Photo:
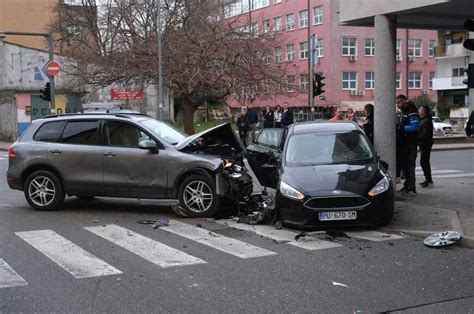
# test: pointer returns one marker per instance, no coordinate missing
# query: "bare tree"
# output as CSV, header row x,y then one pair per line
x,y
206,56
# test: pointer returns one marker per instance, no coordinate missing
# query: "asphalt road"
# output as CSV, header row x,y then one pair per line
x,y
43,267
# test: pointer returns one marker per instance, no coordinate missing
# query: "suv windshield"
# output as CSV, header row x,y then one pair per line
x,y
327,148
436,119
164,131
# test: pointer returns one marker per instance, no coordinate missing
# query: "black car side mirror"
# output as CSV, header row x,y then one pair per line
x,y
150,145
384,164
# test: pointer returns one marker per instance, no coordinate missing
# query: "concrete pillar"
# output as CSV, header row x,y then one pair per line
x,y
385,89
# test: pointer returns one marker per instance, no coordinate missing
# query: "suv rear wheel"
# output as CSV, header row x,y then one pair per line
x,y
43,190
197,196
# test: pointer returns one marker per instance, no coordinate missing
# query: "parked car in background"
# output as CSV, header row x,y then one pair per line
x,y
440,127
325,175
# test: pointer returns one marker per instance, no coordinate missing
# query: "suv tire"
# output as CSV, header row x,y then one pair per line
x,y
43,190
197,196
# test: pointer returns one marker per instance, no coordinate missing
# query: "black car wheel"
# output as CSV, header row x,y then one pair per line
x,y
43,190
197,196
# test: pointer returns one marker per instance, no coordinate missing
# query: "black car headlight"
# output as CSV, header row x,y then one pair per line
x,y
290,192
382,186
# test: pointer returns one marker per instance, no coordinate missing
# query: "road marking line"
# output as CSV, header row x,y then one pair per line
x,y
461,175
440,171
71,257
307,242
419,168
9,277
375,236
151,250
216,241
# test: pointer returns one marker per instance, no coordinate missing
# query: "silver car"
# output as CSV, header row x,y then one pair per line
x,y
130,156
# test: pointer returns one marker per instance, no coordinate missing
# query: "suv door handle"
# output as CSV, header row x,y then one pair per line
x,y
56,151
109,154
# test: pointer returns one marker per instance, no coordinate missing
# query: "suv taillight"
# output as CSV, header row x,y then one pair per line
x,y
11,153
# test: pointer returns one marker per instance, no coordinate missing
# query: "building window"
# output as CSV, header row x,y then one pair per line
x,y
290,52
349,46
276,1
415,48
369,80
278,55
369,47
319,48
74,31
266,57
349,80
432,47
414,80
290,83
399,81
303,18
304,81
432,75
318,15
277,24
254,29
399,50
304,50
457,72
265,26
290,22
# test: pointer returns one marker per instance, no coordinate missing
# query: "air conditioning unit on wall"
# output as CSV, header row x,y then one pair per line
x,y
353,92
352,58
361,93
411,59
398,58
426,92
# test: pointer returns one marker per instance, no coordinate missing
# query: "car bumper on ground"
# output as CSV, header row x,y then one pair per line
x,y
294,214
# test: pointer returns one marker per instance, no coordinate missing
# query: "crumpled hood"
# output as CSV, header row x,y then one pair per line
x,y
217,141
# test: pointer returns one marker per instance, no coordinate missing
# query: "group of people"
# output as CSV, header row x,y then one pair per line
x,y
350,115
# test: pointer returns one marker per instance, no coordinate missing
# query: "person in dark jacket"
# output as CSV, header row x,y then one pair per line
x,y
470,125
243,125
408,129
252,118
286,116
425,143
268,117
369,122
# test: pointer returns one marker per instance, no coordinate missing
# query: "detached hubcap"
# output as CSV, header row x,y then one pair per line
x,y
41,191
198,196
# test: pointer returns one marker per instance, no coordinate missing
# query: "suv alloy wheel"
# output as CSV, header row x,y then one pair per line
x,y
43,190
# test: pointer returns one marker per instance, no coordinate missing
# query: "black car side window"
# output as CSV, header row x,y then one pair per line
x,y
124,134
82,132
48,132
270,138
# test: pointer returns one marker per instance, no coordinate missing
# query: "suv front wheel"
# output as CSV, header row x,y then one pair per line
x,y
197,196
43,190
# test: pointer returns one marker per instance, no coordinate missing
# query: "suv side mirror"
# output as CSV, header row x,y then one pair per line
x,y
384,164
150,145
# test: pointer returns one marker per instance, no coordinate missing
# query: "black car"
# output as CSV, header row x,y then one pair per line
x,y
325,175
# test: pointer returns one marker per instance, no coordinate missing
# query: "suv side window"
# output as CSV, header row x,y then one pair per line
x,y
48,132
82,132
270,138
124,135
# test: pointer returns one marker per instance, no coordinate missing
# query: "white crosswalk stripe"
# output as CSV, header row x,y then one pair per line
x,y
151,250
375,236
9,277
286,236
216,241
443,173
71,257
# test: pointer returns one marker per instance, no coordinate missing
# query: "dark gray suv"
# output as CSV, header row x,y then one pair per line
x,y
127,155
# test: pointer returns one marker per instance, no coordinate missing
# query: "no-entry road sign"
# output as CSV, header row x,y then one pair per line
x,y
53,68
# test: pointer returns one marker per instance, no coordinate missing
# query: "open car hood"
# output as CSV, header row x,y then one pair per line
x,y
216,141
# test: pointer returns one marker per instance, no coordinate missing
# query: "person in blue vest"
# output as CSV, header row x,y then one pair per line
x,y
286,116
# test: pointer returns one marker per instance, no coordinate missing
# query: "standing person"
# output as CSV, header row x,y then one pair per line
x,y
243,125
369,122
338,116
268,117
252,118
470,125
408,128
277,116
425,142
350,115
286,116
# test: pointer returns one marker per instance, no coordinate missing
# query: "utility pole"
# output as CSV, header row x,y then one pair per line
x,y
160,61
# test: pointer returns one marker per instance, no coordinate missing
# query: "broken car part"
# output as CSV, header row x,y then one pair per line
x,y
444,238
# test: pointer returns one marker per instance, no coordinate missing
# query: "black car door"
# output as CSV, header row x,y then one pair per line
x,y
264,156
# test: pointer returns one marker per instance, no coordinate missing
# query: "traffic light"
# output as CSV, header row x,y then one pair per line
x,y
469,43
318,84
46,93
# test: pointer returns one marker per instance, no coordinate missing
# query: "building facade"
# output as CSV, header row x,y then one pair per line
x,y
345,55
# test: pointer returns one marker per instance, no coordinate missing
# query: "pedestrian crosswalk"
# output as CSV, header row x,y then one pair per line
x,y
74,259
3,156
437,173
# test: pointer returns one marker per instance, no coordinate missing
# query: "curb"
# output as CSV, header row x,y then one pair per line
x,y
466,241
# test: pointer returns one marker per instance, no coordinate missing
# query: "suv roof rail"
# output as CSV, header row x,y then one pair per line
x,y
121,115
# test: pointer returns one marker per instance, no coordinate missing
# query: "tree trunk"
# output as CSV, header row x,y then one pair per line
x,y
188,110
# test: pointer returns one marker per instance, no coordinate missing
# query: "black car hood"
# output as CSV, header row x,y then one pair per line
x,y
324,179
217,141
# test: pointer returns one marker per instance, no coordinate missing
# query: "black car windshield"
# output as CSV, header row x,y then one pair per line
x,y
164,131
327,148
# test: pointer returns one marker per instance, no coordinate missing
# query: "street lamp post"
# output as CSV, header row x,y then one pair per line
x,y
160,61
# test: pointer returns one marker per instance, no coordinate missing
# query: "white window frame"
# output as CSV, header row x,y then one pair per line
x,y
318,15
351,81
458,72
304,81
290,83
398,54
370,79
276,1
432,76
319,49
277,24
415,48
369,47
398,81
266,58
290,53
303,21
349,46
265,26
304,50
290,22
431,47
278,54
415,80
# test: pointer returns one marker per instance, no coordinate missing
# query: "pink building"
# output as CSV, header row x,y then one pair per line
x,y
346,55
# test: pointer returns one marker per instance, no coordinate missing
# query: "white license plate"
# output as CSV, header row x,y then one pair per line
x,y
342,215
